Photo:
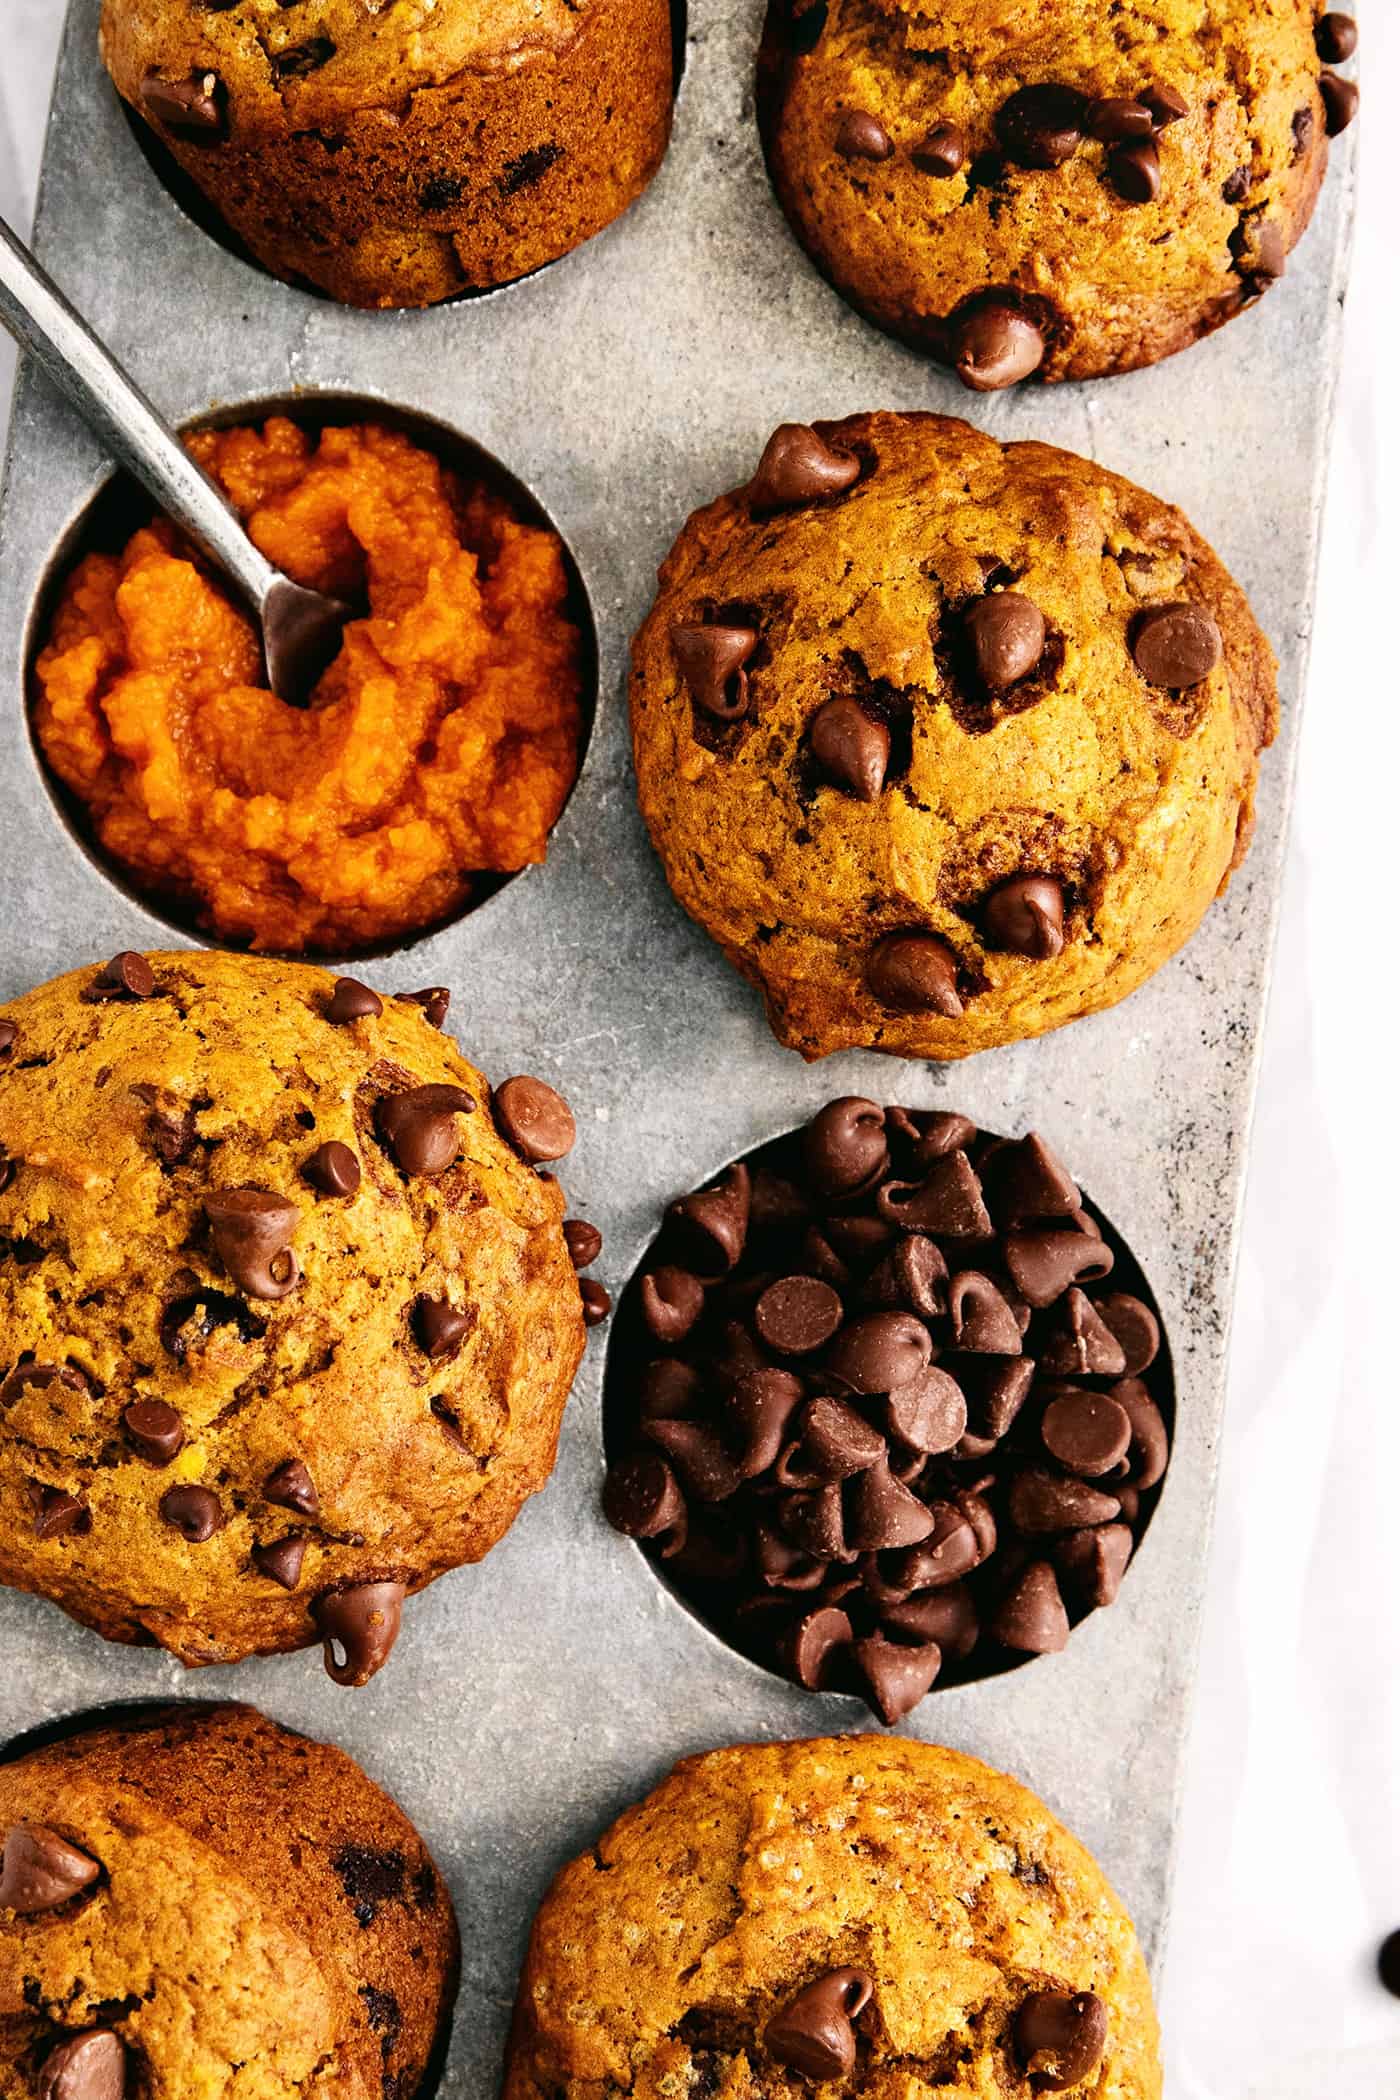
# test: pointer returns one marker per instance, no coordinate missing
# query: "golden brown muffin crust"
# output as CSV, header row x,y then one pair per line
x,y
395,156
658,1959
118,1119
1113,284
267,1924
1136,798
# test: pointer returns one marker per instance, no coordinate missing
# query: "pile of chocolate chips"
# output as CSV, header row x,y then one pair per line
x,y
875,1411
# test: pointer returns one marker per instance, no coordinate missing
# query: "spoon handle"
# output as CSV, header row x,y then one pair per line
x,y
42,321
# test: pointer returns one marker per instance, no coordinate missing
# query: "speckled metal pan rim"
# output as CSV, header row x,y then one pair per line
x,y
192,204
118,507
1127,1275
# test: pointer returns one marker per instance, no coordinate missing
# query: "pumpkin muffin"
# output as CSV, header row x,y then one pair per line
x,y
864,1917
393,156
287,1315
196,1901
1055,191
946,742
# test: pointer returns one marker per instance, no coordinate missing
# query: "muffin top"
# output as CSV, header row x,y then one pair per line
x,y
288,1323
326,59
1132,177
863,1916
906,666
196,1901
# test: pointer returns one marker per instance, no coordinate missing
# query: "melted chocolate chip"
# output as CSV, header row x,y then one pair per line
x,y
359,1625
1026,916
995,345
711,659
860,136
851,747
332,1169
799,467
440,1328
352,1001
1060,2037
282,1560
252,1232
195,1512
1176,645
942,153
197,105
41,1871
290,1486
914,973
419,1130
89,2066
155,1430
126,976
1041,126
814,2034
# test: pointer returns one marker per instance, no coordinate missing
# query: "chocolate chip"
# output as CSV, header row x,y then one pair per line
x,y
814,2033
41,1871
672,1300
252,1232
880,1353
711,661
304,59
440,1328
715,1221
59,1515
1388,1963
1340,101
641,1498
1060,2036
1335,37
1236,186
362,1620
195,1512
983,1322
911,1276
1093,1562
1134,1327
584,1242
850,746
1083,1345
844,1148
1176,646
699,1457
837,1442
948,1201
596,1301
1135,170
332,1169
290,1486
352,1001
419,1129
197,104
1149,1449
1026,916
914,973
155,1429
898,1676
1041,1503
1167,106
36,1376
1041,126
1025,1179
797,1314
1043,1264
435,999
995,345
1114,118
929,1414
798,466
89,2066
756,1413
282,1561
1031,1616
860,136
1088,1433
815,1643
534,1120
885,1514
815,1522
126,976
942,153
9,1036
1006,633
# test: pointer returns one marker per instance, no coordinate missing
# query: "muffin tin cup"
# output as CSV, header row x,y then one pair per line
x,y
530,1698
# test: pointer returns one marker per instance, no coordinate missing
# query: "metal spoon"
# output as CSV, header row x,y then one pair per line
x,y
301,629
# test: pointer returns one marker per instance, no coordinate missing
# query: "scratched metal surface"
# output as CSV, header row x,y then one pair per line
x,y
530,1698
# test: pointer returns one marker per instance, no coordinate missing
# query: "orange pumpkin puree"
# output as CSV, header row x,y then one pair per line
x,y
441,744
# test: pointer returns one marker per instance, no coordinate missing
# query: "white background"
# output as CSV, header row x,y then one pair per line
x,y
1289,1868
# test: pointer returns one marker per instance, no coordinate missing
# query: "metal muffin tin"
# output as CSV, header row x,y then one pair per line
x,y
530,1698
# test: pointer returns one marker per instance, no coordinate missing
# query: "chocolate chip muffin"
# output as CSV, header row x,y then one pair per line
x,y
945,742
1058,190
887,1404
287,1314
861,1916
195,1901
392,156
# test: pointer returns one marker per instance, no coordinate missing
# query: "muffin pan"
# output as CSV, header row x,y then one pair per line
x,y
530,1698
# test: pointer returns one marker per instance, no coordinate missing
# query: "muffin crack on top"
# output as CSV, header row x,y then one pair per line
x,y
288,1309
1051,192
903,673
